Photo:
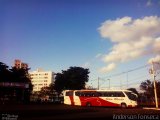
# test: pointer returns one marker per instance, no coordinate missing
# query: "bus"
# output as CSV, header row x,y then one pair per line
x,y
110,98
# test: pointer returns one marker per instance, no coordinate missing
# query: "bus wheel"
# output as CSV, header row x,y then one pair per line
x,y
88,104
123,105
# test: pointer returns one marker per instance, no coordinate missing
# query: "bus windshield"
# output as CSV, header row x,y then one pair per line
x,y
131,96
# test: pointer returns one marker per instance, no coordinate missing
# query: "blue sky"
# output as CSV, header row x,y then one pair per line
x,y
57,34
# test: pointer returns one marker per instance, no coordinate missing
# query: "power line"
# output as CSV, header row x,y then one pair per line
x,y
118,74
121,73
137,78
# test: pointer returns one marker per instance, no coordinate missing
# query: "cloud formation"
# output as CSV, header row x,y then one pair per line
x,y
156,62
155,59
108,68
131,38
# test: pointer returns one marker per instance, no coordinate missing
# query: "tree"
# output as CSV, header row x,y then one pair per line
x,y
148,88
60,83
21,75
5,74
46,93
52,92
73,78
17,77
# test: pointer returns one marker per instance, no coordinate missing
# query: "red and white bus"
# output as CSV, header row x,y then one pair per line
x,y
112,98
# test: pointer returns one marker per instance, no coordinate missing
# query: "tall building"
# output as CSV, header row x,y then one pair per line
x,y
41,79
19,64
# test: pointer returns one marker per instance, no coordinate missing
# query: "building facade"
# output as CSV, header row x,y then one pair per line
x,y
41,78
19,64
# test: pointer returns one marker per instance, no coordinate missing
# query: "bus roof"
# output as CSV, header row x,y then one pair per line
x,y
100,90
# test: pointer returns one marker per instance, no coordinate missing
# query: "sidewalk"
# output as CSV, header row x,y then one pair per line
x,y
147,108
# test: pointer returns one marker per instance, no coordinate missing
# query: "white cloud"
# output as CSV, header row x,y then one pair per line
x,y
125,51
127,29
155,59
131,38
108,68
156,45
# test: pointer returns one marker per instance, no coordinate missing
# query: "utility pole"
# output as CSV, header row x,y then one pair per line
x,y
155,90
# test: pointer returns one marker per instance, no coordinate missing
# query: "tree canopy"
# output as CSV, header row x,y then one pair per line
x,y
18,76
73,78
148,88
5,74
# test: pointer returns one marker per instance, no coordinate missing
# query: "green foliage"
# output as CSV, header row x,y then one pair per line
x,y
45,94
73,78
47,91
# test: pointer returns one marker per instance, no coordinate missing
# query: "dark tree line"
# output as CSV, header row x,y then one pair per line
x,y
147,96
148,88
11,92
74,78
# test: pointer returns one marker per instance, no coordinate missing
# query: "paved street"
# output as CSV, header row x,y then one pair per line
x,y
65,112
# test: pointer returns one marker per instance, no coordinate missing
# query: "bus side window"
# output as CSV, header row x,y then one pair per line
x,y
120,94
112,94
93,94
82,94
89,94
99,94
104,94
85,94
115,94
69,93
109,94
77,93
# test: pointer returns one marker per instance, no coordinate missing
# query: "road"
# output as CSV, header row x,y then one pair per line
x,y
66,112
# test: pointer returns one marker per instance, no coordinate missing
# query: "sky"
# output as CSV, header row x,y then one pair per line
x,y
113,38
